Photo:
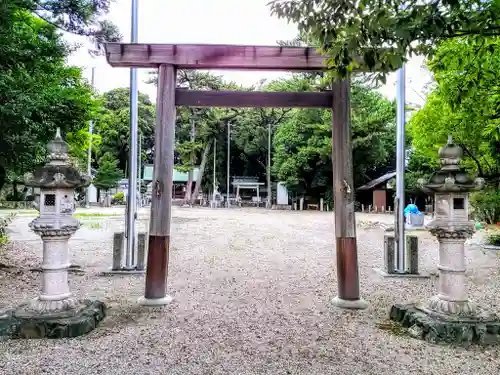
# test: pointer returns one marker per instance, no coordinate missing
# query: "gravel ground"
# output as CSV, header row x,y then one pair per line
x,y
251,291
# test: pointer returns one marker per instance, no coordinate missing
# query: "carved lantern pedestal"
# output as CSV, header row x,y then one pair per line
x,y
55,312
450,316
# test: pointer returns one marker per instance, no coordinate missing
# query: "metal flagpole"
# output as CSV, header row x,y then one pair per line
x,y
213,183
132,182
139,170
269,195
89,162
228,161
400,171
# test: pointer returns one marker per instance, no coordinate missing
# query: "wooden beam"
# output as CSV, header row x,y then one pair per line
x,y
208,56
343,180
161,201
235,99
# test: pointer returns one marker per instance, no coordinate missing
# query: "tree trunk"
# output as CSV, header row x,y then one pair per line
x,y
3,176
189,185
201,171
15,193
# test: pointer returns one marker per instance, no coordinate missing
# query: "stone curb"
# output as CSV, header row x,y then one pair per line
x,y
460,332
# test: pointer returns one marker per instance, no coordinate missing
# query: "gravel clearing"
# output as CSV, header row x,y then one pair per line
x,y
251,295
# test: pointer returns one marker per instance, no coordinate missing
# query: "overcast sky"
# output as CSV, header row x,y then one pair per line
x,y
211,21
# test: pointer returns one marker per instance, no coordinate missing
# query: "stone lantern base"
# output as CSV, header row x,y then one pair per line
x,y
436,329
26,323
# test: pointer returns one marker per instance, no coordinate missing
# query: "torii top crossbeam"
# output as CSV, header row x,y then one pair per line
x,y
215,56
218,56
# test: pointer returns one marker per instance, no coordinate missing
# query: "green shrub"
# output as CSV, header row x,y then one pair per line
x,y
4,223
486,206
118,198
329,197
493,239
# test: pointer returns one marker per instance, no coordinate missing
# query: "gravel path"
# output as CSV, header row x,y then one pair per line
x,y
251,291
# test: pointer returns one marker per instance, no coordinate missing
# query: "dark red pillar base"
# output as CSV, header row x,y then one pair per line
x,y
157,268
347,268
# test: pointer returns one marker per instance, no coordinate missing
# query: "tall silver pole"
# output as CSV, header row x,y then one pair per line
x,y
268,165
400,170
132,182
89,161
139,170
228,161
214,181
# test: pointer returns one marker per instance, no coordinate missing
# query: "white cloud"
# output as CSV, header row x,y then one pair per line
x,y
215,21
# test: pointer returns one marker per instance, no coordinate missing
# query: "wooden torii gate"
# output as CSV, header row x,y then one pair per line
x,y
167,58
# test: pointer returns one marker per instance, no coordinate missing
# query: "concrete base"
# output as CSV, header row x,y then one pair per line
x,y
156,302
122,272
411,228
452,330
24,324
359,304
491,247
284,207
408,228
74,268
421,275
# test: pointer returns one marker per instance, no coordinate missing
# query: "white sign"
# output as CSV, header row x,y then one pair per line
x,y
281,194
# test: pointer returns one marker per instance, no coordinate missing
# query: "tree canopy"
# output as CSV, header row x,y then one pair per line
x,y
113,126
303,143
301,139
465,103
379,35
108,173
38,92
80,17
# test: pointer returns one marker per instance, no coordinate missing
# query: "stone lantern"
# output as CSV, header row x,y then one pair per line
x,y
450,315
55,312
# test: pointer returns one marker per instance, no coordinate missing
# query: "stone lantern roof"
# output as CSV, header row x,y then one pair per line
x,y
57,172
451,177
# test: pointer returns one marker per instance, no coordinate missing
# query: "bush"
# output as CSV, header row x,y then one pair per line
x,y
486,206
329,197
4,223
118,198
494,240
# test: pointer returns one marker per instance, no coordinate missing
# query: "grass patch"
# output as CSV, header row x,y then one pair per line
x,y
392,327
19,211
3,240
95,214
93,225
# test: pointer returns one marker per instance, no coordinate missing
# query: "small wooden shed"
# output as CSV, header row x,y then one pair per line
x,y
378,193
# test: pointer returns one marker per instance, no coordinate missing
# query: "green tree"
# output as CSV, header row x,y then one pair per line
x,y
108,173
197,128
193,125
113,126
303,143
80,17
38,92
464,103
380,35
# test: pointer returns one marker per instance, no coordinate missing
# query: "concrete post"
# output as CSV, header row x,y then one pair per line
x,y
389,254
412,254
141,251
118,241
